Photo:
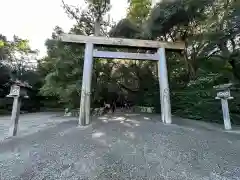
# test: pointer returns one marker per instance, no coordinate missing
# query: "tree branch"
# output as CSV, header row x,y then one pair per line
x,y
127,88
233,44
69,11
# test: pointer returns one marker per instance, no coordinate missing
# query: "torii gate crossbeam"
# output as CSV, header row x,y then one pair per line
x,y
90,53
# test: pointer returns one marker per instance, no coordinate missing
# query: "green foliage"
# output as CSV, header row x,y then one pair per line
x,y
63,69
14,64
211,32
138,11
4,47
2,43
125,28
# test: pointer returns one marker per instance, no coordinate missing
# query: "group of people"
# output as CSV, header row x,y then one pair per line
x,y
112,100
113,105
109,107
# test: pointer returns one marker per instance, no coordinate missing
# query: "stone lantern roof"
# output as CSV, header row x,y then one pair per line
x,y
21,84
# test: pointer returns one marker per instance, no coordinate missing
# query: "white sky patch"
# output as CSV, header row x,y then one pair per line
x,y
35,19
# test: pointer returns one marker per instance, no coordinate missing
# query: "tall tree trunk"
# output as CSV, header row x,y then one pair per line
x,y
235,69
189,67
97,27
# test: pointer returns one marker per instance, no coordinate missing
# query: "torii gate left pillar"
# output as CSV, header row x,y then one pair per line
x,y
90,53
84,115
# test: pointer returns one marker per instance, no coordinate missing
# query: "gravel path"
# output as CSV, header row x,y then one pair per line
x,y
121,147
30,123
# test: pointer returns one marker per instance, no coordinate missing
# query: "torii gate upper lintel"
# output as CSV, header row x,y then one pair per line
x,y
90,53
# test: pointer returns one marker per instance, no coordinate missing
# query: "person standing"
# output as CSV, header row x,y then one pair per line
x,y
113,106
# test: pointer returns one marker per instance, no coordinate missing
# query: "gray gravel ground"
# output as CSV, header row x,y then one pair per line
x,y
31,123
122,147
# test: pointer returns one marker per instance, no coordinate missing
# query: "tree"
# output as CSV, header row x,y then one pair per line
x,y
62,69
208,60
138,11
15,64
91,20
137,14
224,33
68,58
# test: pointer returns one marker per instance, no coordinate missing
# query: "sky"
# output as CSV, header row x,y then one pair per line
x,y
35,19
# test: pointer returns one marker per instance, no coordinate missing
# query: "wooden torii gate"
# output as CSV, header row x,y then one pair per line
x,y
90,53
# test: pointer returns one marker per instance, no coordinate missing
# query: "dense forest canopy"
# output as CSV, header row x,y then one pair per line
x,y
210,29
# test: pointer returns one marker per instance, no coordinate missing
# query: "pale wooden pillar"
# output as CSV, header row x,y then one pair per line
x,y
226,116
164,87
224,94
15,116
81,120
84,116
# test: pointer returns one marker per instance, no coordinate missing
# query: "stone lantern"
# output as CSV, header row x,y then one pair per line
x,y
223,93
18,91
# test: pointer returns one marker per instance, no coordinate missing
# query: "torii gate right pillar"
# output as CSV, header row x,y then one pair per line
x,y
164,87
